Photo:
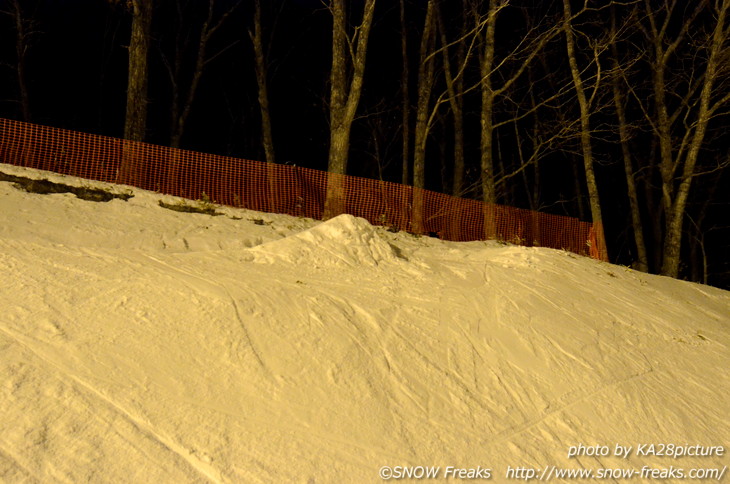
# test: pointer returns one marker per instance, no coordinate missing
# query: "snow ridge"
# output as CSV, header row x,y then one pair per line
x,y
342,241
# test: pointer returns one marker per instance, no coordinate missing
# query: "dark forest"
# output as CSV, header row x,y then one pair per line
x,y
608,111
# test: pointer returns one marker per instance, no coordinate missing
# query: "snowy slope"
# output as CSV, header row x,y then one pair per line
x,y
140,344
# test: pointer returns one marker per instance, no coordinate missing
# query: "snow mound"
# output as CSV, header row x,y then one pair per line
x,y
344,240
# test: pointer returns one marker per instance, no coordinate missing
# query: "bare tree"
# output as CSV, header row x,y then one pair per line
x,y
487,112
584,103
427,112
182,103
136,119
262,81
262,71
25,31
619,98
425,86
699,101
717,64
135,125
405,98
495,83
348,51
454,79
422,126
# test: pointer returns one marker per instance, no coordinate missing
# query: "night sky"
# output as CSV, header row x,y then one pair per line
x,y
76,67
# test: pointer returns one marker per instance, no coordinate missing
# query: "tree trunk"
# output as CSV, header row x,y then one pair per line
x,y
654,209
678,159
425,85
455,89
261,80
263,98
22,44
202,58
673,237
489,190
642,262
698,255
406,105
663,130
136,117
585,137
344,97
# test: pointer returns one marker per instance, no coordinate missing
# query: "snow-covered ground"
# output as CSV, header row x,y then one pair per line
x,y
139,344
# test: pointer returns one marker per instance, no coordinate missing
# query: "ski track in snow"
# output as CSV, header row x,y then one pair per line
x,y
138,423
206,281
144,345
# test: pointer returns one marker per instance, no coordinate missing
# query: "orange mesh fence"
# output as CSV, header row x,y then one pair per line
x,y
285,189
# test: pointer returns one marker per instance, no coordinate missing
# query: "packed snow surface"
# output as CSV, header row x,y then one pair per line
x,y
140,344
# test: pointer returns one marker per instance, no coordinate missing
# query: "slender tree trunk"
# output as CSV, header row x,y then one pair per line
x,y
489,192
698,255
654,208
673,237
201,60
135,126
174,69
22,44
486,146
678,160
261,80
136,119
405,92
521,157
344,97
665,138
457,185
425,86
532,187
455,89
642,262
534,43
579,197
585,137
263,98
182,112
663,131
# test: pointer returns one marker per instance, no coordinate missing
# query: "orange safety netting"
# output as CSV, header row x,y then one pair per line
x,y
285,189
